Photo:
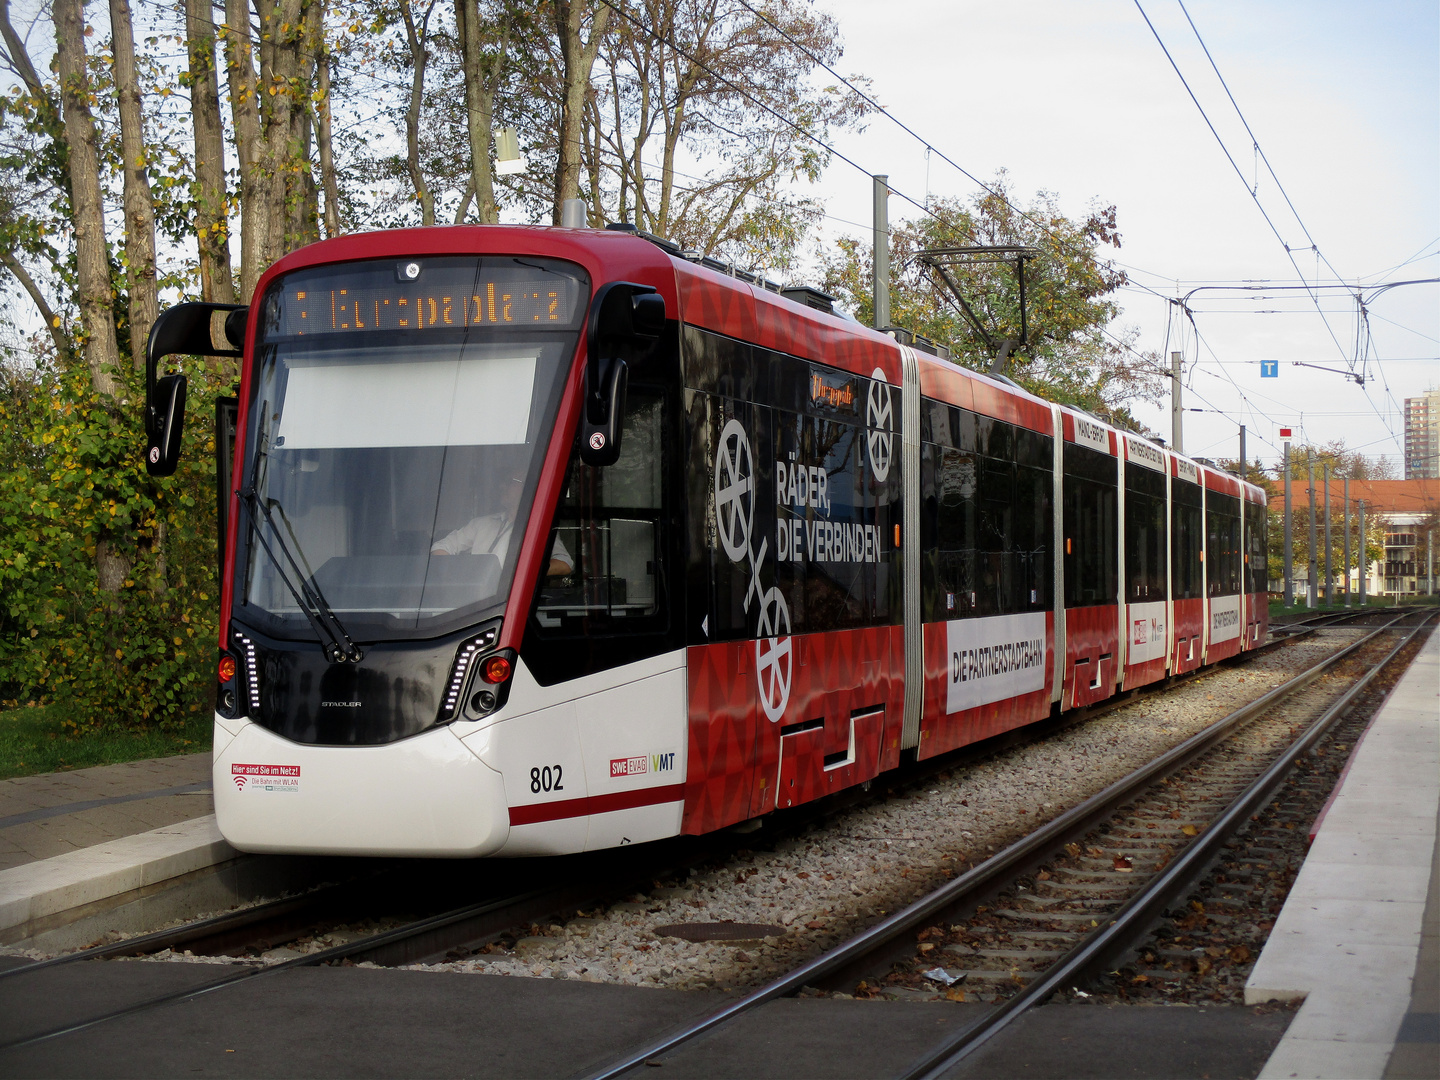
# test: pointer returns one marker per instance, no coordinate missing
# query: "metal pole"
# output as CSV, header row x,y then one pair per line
x,y
1242,451
1329,574
1024,330
1176,408
1312,570
1346,564
1364,568
880,281
1430,562
1289,576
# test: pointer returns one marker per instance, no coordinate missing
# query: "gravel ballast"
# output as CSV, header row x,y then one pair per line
x,y
872,859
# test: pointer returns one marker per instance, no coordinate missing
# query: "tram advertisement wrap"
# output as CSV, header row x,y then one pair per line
x,y
1224,618
802,520
1147,632
993,659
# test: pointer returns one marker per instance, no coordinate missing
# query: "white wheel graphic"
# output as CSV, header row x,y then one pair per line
x,y
879,420
774,655
734,491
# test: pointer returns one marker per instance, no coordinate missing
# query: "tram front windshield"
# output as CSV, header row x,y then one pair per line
x,y
400,413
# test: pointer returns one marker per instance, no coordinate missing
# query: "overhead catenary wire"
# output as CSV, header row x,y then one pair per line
x,y
921,204
1253,192
930,148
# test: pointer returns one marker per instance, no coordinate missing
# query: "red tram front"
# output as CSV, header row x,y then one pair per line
x,y
546,540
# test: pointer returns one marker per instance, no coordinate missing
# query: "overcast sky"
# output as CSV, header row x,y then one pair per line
x,y
1077,97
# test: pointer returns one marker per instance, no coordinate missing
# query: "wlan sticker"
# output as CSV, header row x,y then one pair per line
x,y
265,777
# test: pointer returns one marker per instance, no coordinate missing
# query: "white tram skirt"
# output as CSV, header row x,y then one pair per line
x,y
427,796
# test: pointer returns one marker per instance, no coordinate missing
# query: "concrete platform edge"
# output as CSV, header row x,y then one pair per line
x,y
1351,958
46,887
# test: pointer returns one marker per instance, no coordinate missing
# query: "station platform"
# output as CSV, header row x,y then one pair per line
x,y
1356,941
75,845
55,813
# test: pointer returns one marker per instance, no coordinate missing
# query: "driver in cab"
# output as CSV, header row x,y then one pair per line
x,y
489,534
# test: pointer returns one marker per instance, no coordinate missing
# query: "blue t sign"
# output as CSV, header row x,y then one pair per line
x,y
1269,369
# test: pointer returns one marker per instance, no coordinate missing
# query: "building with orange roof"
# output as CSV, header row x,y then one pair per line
x,y
1410,510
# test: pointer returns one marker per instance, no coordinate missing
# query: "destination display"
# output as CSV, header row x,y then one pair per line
x,y
363,298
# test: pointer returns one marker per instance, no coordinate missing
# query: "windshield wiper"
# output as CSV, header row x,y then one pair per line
x,y
308,596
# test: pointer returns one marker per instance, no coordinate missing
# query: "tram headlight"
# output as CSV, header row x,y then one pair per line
x,y
490,685
495,669
227,692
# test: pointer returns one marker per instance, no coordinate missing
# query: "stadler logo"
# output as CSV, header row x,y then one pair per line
x,y
340,704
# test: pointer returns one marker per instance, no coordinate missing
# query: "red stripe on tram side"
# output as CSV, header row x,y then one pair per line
x,y
595,804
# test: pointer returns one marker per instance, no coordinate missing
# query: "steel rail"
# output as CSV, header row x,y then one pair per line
x,y
159,940
1104,945
325,956
171,937
1075,821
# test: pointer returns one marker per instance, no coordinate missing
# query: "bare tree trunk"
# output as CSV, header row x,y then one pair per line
x,y
92,264
419,57
16,54
281,44
465,201
577,58
19,61
302,198
323,136
139,209
244,112
212,228
482,76
52,320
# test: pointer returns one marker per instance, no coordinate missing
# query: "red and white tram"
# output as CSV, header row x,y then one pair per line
x,y
542,540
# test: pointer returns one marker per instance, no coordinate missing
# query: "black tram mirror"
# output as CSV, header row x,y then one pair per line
x,y
625,323
190,330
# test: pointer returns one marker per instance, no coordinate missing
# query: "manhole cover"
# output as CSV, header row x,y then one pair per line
x,y
720,931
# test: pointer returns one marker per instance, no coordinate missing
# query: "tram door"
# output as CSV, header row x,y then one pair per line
x,y
606,619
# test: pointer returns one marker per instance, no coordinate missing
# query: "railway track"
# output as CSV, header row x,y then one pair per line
x,y
1107,874
544,889
536,889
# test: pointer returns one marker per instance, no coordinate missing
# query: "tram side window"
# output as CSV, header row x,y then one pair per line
x,y
956,486
994,537
1186,540
1091,527
785,503
608,520
1034,524
1222,523
987,522
612,606
1144,534
1257,569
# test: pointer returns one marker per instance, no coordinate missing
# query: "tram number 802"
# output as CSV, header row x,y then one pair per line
x,y
546,779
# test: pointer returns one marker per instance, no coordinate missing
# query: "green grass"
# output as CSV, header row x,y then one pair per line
x,y
31,742
1378,603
